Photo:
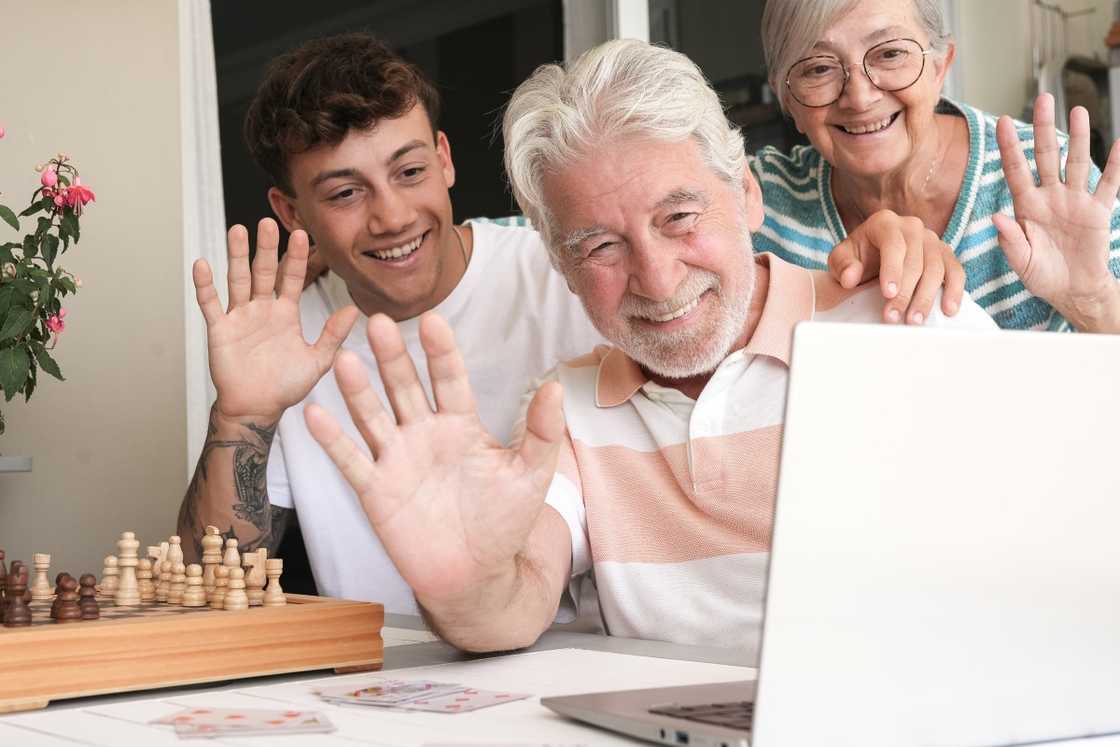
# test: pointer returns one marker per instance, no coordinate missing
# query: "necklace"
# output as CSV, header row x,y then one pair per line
x,y
462,247
938,155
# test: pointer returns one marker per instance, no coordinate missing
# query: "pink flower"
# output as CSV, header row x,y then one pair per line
x,y
49,178
77,196
2,132
55,322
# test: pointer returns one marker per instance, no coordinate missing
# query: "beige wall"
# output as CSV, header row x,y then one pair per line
x,y
100,82
994,48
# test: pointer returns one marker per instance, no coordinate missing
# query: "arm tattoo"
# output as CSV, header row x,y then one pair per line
x,y
250,463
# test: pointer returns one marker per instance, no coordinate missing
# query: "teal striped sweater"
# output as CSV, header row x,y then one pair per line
x,y
802,223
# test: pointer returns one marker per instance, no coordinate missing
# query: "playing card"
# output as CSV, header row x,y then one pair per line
x,y
211,722
387,692
468,699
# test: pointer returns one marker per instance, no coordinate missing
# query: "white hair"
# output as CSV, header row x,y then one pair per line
x,y
619,89
790,28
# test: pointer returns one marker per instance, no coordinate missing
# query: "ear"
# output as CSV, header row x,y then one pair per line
x,y
942,64
285,208
443,152
753,194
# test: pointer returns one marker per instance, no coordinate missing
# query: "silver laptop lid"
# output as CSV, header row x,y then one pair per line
x,y
946,561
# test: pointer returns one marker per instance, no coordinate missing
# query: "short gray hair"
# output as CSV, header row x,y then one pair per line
x,y
621,88
790,28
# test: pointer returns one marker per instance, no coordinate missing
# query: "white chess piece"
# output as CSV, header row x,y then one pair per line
x,y
178,583
273,594
41,586
144,581
127,593
211,558
194,595
221,580
255,578
109,577
236,599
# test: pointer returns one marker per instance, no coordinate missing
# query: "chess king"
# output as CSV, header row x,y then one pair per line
x,y
349,135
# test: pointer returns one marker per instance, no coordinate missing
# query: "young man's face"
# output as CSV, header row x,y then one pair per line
x,y
377,207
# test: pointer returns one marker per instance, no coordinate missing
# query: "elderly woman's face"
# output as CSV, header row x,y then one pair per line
x,y
868,131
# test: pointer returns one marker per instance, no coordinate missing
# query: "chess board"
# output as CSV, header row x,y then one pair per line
x,y
161,645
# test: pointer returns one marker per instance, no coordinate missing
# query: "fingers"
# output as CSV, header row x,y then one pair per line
x,y
1020,180
1046,149
1077,162
955,277
544,428
239,278
334,333
912,257
933,274
1013,242
358,469
451,385
266,259
374,423
294,267
845,265
1109,184
398,374
205,292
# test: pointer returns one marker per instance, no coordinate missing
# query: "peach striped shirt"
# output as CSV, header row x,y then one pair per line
x,y
670,500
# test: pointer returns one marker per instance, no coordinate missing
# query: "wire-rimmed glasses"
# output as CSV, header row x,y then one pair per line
x,y
891,66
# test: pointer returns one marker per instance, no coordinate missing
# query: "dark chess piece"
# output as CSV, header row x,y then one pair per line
x,y
57,591
68,609
91,610
3,584
18,614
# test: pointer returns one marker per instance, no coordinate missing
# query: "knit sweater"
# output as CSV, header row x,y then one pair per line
x,y
802,224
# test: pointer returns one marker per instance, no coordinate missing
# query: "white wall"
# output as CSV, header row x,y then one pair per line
x,y
100,82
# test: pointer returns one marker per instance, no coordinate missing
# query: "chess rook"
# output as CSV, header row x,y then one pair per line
x,y
41,586
127,593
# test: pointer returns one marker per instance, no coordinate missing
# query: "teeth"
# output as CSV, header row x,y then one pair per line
x,y
400,251
863,130
675,314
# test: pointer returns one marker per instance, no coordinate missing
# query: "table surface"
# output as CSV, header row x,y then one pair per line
x,y
561,662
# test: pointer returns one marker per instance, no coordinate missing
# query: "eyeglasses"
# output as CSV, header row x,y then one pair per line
x,y
890,66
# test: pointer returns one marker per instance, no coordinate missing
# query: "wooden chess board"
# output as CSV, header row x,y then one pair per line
x,y
160,645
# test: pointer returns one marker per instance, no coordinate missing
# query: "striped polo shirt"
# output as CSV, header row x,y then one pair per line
x,y
802,223
670,500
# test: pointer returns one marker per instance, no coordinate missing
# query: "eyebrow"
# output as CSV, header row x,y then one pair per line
x,y
349,173
673,199
890,32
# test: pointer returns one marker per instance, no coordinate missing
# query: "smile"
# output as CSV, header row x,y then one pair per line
x,y
871,127
675,314
399,252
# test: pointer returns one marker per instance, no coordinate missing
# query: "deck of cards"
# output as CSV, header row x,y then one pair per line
x,y
417,695
245,722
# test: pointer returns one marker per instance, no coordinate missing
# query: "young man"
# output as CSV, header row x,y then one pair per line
x,y
652,463
348,131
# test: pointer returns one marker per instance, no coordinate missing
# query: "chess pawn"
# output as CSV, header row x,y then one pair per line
x,y
232,558
178,583
110,575
3,584
211,558
273,594
41,586
128,589
174,550
17,614
221,580
68,609
87,597
194,595
57,593
144,581
163,584
236,599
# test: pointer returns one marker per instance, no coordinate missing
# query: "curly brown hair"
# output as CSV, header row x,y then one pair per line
x,y
318,92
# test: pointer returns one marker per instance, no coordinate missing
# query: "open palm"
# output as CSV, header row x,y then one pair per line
x,y
259,360
1058,242
451,506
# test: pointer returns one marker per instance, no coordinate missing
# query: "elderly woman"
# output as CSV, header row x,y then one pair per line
x,y
862,80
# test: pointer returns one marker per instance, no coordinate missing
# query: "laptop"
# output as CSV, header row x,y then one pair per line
x,y
945,567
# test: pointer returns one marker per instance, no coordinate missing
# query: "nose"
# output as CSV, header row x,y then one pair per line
x,y
859,93
391,213
655,271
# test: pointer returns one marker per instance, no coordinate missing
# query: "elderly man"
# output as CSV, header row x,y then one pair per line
x,y
651,463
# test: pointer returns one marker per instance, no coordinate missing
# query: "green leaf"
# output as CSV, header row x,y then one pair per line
x,y
32,381
7,293
68,284
36,206
9,217
70,222
30,246
44,226
16,323
50,248
14,365
46,362
65,181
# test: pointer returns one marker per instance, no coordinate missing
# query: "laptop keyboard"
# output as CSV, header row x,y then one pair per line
x,y
734,715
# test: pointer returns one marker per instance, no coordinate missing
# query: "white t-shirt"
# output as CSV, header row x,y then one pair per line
x,y
514,319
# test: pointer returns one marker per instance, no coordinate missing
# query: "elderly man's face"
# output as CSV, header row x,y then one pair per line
x,y
657,246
